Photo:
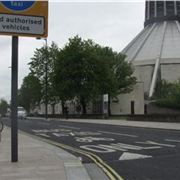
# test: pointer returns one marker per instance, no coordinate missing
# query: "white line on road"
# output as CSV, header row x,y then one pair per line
x,y
156,143
132,156
72,134
71,127
119,134
153,147
172,140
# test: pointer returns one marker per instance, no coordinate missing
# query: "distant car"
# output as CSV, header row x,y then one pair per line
x,y
21,113
8,113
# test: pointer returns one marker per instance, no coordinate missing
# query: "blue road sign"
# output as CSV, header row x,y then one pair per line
x,y
18,5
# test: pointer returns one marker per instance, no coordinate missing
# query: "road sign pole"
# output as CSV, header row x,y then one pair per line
x,y
46,82
14,89
33,17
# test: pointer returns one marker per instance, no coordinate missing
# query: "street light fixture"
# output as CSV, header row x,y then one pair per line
x,y
46,77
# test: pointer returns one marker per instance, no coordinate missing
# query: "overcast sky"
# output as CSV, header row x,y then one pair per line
x,y
112,24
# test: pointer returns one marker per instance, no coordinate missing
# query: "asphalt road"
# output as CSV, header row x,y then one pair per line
x,y
134,153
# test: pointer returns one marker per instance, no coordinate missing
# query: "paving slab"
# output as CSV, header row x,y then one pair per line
x,y
38,161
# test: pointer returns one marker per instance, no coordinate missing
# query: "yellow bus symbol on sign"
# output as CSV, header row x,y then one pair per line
x,y
24,18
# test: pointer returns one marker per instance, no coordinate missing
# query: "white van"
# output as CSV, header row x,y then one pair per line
x,y
21,112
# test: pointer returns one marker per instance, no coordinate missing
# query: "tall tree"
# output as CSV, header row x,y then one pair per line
x,y
86,70
41,63
29,94
3,107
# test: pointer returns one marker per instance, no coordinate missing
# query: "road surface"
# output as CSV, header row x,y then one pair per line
x,y
122,152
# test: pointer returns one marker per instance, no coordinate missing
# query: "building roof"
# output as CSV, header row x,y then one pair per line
x,y
159,40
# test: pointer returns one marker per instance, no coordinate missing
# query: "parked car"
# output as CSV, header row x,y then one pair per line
x,y
8,113
21,113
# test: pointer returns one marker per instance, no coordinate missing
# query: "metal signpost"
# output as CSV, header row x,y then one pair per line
x,y
21,18
105,105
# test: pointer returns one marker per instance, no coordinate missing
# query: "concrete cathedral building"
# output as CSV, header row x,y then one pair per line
x,y
155,51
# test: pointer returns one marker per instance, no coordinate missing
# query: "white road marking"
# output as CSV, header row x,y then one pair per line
x,y
92,139
114,147
107,148
40,130
172,140
119,134
132,156
156,143
71,127
98,149
86,133
152,147
127,146
46,130
60,134
72,134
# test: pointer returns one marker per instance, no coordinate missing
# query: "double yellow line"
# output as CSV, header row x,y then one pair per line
x,y
111,173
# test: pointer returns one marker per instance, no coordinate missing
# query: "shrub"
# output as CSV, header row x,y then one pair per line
x,y
168,95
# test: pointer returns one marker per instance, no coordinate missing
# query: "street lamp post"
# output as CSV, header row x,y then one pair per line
x,y
46,82
46,77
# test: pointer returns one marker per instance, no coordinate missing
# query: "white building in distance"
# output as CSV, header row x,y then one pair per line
x,y
155,51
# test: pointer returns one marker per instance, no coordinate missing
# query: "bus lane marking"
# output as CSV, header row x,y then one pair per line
x,y
92,139
172,140
110,172
65,132
132,156
50,130
156,143
60,134
98,148
113,147
119,134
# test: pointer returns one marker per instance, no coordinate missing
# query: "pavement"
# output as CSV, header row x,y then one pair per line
x,y
124,122
38,161
41,161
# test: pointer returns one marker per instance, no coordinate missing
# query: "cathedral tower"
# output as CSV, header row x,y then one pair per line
x,y
155,51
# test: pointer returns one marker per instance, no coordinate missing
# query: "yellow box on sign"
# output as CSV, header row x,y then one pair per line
x,y
24,18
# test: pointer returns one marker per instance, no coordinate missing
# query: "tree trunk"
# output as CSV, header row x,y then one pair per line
x,y
28,109
84,108
63,106
53,108
83,104
109,105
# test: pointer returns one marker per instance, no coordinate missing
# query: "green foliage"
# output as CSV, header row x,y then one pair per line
x,y
43,62
82,70
164,89
86,70
29,94
168,94
3,107
168,103
123,74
